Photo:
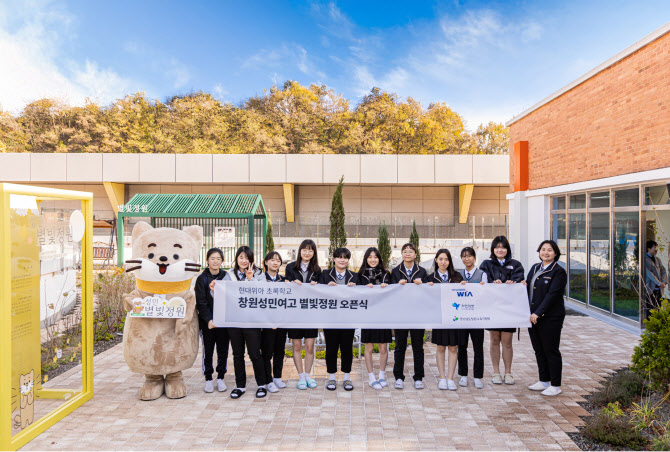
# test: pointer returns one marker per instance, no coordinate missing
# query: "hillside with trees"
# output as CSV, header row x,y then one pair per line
x,y
292,119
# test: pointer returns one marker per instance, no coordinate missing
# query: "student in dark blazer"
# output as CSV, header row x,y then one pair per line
x,y
444,272
546,283
211,335
273,340
471,275
373,273
408,272
500,268
339,339
245,270
305,270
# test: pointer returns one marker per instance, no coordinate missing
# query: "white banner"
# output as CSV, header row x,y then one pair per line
x,y
264,304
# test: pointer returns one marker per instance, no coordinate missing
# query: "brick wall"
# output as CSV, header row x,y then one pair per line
x,y
614,123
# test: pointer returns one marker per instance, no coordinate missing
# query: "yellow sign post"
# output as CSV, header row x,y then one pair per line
x,y
46,238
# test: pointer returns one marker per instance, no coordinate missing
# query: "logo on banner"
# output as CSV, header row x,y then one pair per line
x,y
464,307
455,318
462,292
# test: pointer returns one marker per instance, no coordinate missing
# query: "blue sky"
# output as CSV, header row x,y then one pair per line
x,y
488,60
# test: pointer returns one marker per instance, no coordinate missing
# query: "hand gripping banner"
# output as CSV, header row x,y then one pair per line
x,y
272,305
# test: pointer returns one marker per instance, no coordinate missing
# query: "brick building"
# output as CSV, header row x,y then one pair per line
x,y
590,169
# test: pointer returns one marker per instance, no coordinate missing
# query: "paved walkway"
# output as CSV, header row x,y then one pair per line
x,y
494,418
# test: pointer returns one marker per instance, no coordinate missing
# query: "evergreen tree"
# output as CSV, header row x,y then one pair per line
x,y
338,237
269,241
414,239
384,244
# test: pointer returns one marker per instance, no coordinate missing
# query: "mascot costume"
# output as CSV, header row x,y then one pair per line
x,y
164,262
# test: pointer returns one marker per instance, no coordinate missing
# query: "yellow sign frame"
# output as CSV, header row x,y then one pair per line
x,y
7,442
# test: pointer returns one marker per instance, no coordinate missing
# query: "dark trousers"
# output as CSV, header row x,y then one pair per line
x,y
251,337
267,350
278,352
342,340
545,336
399,353
210,338
477,337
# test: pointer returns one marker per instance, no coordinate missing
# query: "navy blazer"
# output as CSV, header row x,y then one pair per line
x,y
399,273
548,291
331,276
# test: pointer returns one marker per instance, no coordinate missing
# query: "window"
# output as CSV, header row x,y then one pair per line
x,y
626,276
577,244
578,201
658,195
599,267
599,199
627,198
558,203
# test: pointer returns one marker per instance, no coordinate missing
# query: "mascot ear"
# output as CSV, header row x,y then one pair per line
x,y
195,232
140,228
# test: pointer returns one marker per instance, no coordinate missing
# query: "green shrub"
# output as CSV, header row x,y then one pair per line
x,y
651,357
661,442
109,315
623,388
618,432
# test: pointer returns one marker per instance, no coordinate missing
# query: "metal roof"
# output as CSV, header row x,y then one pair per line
x,y
146,204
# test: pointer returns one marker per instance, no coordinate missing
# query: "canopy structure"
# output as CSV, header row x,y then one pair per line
x,y
228,220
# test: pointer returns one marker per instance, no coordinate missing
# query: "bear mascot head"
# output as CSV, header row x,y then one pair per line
x,y
164,262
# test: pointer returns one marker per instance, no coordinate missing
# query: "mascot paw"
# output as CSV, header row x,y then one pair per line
x,y
175,388
152,388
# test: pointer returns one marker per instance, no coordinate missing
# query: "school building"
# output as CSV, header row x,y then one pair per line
x,y
590,167
454,199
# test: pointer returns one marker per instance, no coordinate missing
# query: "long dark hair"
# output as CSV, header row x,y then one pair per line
x,y
314,261
451,271
250,255
501,240
365,266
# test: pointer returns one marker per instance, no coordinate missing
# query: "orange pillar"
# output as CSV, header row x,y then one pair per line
x,y
521,166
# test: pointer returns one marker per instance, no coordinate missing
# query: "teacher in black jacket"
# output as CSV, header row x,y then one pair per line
x,y
546,283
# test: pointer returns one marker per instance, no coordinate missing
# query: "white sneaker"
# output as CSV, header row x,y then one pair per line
x,y
463,381
451,385
552,391
399,384
279,383
209,386
442,384
539,386
375,385
478,383
272,387
418,384
220,385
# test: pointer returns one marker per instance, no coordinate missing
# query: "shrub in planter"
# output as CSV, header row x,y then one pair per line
x,y
623,388
651,358
109,315
617,431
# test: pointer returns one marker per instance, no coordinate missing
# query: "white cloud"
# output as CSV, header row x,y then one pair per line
x,y
33,67
220,92
179,72
282,58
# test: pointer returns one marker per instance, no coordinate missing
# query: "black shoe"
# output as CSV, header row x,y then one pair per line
x,y
261,392
236,393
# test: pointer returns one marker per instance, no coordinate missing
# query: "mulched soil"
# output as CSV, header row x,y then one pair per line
x,y
585,443
98,347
